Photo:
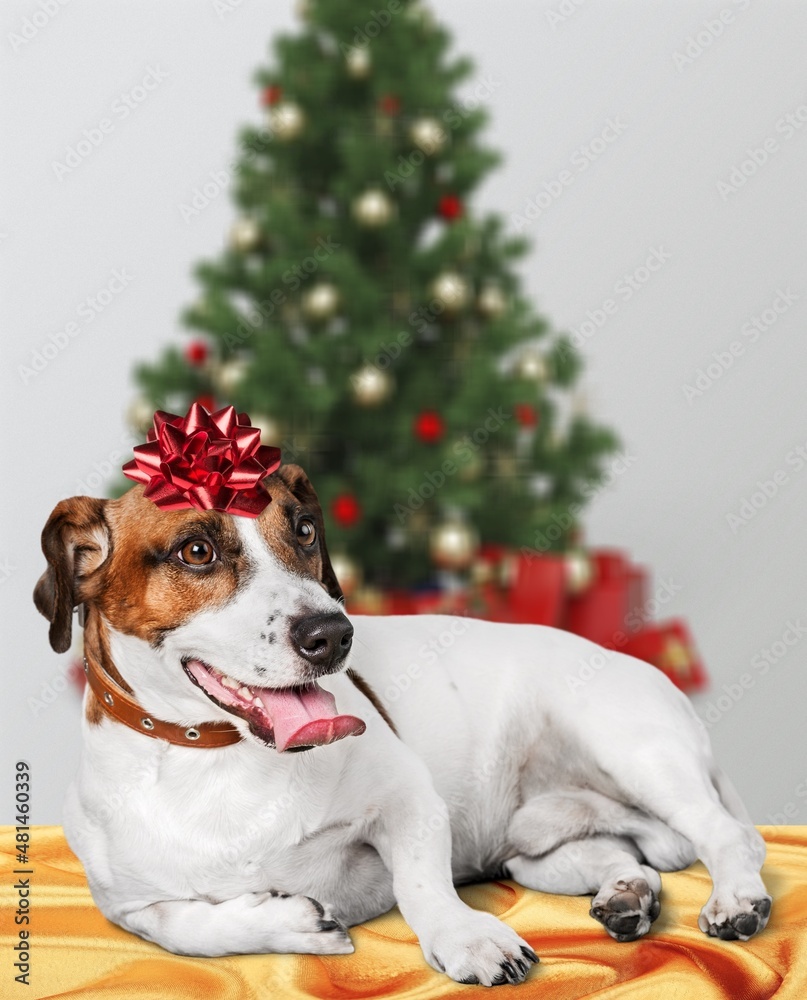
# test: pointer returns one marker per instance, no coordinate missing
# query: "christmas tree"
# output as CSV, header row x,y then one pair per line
x,y
371,323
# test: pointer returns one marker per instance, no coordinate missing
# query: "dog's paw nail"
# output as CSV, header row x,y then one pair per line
x,y
529,953
330,925
510,973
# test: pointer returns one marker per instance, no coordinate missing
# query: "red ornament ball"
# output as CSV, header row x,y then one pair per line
x,y
196,352
208,402
346,510
429,427
389,104
526,415
272,95
450,208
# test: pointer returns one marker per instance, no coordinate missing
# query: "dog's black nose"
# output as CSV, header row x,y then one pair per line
x,y
324,640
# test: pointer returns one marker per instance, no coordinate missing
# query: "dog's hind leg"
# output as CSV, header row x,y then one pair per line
x,y
732,849
626,891
674,782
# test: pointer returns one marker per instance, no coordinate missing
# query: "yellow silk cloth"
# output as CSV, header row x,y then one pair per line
x,y
76,952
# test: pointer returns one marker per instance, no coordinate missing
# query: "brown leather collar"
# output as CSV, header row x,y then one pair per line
x,y
120,706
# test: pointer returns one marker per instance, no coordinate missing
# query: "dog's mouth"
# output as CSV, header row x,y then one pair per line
x,y
293,718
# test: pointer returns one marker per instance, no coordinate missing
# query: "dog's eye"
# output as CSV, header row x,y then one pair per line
x,y
196,552
306,533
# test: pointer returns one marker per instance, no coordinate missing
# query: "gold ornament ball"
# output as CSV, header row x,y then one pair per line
x,y
371,385
531,365
358,63
140,414
428,134
271,431
321,301
579,571
481,572
451,289
229,375
286,120
371,600
469,468
372,208
245,235
491,302
579,404
348,573
453,545
419,13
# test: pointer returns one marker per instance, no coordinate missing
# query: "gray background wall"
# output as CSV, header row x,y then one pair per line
x,y
555,80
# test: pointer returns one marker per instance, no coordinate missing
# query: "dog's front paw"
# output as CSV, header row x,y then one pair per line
x,y
477,948
308,926
738,917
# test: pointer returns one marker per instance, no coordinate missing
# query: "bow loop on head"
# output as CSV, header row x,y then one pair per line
x,y
211,461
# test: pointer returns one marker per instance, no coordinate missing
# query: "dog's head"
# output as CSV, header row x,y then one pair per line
x,y
242,611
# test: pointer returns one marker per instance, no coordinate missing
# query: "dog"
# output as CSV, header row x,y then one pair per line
x,y
356,771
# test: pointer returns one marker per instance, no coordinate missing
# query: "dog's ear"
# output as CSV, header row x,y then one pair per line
x,y
75,541
300,486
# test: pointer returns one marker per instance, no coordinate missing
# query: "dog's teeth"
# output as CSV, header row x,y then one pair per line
x,y
228,682
245,693
256,700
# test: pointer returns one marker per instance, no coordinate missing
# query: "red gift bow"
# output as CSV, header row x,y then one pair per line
x,y
212,461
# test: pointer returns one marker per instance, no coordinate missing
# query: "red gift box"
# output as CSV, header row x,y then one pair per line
x,y
538,589
599,612
669,646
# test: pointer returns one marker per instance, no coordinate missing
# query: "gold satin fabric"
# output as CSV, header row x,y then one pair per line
x,y
76,952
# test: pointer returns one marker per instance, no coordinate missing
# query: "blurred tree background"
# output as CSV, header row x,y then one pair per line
x,y
372,324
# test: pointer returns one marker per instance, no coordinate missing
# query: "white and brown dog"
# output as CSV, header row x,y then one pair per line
x,y
489,758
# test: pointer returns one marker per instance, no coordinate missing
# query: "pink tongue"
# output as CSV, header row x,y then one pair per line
x,y
306,717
